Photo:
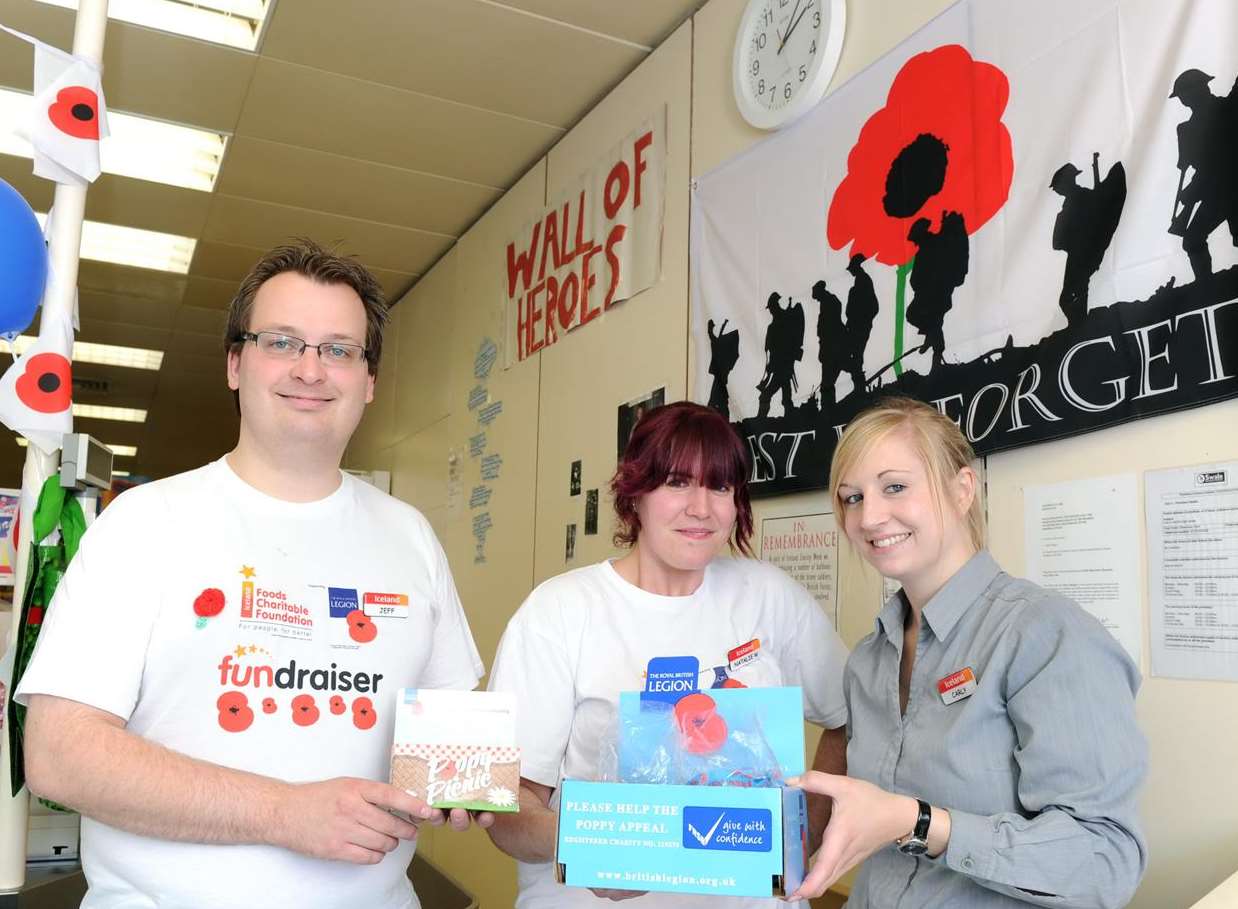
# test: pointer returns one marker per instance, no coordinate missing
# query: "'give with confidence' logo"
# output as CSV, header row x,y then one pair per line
x,y
727,829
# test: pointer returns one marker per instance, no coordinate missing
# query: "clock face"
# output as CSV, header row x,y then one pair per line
x,y
785,55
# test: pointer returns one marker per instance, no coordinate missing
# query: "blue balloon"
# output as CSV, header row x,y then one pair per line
x,y
23,262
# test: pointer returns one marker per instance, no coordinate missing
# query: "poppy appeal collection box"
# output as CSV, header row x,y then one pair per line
x,y
697,804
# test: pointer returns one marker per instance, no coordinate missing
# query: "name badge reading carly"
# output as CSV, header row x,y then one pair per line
x,y
385,605
957,685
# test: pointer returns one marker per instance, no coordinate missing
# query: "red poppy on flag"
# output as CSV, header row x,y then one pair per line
x,y
69,115
36,392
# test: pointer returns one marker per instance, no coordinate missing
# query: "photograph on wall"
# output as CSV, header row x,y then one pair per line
x,y
569,544
1025,214
574,480
591,512
631,413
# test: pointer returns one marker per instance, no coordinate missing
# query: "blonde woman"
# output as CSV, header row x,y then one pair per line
x,y
993,757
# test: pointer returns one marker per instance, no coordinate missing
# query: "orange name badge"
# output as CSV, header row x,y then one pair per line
x,y
744,654
957,685
390,605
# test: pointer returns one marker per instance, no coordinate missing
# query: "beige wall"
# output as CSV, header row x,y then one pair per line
x,y
559,406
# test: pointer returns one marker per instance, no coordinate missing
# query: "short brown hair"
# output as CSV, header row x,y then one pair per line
x,y
305,257
936,439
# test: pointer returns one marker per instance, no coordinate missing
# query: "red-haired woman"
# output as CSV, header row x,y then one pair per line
x,y
681,497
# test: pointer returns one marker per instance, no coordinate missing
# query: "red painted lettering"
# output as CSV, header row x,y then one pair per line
x,y
522,264
639,154
550,333
612,240
570,288
550,239
616,190
535,316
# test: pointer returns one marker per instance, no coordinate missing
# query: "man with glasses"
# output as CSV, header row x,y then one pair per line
x,y
215,685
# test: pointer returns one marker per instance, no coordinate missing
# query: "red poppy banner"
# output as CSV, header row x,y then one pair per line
x,y
1026,214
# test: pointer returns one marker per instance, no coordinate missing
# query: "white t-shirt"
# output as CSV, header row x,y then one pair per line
x,y
583,637
290,679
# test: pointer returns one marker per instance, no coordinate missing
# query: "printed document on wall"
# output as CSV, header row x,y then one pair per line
x,y
1193,570
1082,540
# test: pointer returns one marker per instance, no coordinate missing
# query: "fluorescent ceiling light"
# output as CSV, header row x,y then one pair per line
x,y
237,23
139,148
104,354
133,247
106,412
120,473
120,451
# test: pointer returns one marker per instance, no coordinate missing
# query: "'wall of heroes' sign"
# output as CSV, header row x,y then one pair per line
x,y
598,245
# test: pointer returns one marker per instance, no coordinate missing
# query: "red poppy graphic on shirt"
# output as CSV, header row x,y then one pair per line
x,y
210,602
361,627
75,112
46,385
235,714
938,145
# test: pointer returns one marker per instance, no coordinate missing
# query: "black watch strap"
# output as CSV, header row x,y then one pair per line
x,y
923,819
916,842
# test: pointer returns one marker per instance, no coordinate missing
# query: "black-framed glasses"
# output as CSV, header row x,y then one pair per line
x,y
279,346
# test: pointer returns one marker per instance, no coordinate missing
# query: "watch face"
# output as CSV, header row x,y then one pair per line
x,y
913,847
785,55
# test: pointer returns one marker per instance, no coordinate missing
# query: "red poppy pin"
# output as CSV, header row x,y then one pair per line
x,y
209,603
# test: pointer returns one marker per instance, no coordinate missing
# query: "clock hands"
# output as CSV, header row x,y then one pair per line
x,y
782,39
787,36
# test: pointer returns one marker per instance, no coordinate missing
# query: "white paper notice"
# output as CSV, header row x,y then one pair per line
x,y
1082,540
806,547
1193,570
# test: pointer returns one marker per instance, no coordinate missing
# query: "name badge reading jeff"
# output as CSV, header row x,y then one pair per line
x,y
957,685
385,605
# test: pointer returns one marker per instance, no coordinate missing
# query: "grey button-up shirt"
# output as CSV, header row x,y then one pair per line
x,y
1039,767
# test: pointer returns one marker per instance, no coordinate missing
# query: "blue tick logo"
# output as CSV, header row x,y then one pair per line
x,y
727,829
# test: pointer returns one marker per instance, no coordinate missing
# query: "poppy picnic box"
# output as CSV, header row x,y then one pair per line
x,y
457,749
735,831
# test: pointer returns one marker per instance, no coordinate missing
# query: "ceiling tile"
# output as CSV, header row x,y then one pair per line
x,y
645,22
121,280
209,293
262,225
117,200
100,307
479,54
298,105
124,335
303,177
201,320
224,261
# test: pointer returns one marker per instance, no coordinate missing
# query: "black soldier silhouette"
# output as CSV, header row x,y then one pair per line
x,y
940,267
1084,228
723,355
831,340
1208,152
784,347
861,310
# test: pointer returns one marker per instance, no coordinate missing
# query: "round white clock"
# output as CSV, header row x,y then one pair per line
x,y
785,55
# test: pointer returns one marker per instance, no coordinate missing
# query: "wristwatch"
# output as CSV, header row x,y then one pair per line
x,y
916,842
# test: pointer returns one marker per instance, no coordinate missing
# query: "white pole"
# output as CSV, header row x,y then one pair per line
x,y
64,244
